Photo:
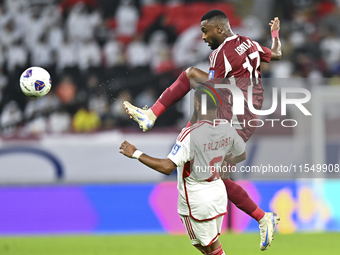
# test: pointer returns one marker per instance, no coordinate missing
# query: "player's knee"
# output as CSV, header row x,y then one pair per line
x,y
195,73
190,72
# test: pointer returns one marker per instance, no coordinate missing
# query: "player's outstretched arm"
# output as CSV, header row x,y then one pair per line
x,y
235,159
276,46
164,166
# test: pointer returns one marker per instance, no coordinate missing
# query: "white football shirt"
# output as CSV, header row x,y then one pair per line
x,y
198,153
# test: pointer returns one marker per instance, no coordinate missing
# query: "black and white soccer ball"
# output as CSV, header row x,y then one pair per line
x,y
35,82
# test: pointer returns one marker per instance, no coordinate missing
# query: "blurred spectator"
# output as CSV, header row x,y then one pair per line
x,y
9,34
67,55
2,57
97,101
41,54
13,6
147,97
41,105
161,24
189,47
159,51
127,18
16,56
3,83
11,115
113,53
301,27
36,126
85,120
76,23
107,118
81,24
330,48
52,15
66,90
55,35
89,54
137,53
252,27
34,27
21,19
93,86
59,122
94,20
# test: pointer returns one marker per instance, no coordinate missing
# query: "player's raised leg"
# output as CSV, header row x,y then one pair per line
x,y
146,118
267,221
236,193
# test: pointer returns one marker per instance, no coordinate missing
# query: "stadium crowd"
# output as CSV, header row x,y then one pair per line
x,y
100,53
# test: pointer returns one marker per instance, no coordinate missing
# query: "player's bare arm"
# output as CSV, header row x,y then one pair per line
x,y
229,158
276,46
235,159
164,166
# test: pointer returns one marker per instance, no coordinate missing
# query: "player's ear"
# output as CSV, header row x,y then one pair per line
x,y
219,30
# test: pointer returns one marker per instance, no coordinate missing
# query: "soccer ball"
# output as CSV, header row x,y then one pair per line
x,y
35,82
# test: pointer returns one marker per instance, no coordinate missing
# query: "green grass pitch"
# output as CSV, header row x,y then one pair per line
x,y
238,244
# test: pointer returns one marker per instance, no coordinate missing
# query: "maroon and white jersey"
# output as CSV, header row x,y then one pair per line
x,y
198,153
239,57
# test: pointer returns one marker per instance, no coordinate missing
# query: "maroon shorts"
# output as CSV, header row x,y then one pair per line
x,y
225,112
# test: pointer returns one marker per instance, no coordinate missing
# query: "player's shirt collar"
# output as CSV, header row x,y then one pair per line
x,y
230,38
206,121
225,40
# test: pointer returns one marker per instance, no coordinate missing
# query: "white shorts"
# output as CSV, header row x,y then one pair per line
x,y
202,232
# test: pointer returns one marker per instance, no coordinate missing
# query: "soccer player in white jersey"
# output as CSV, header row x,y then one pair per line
x,y
198,154
234,57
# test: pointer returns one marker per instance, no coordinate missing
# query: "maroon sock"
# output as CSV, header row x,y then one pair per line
x,y
171,95
239,197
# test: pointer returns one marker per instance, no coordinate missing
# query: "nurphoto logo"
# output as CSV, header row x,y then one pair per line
x,y
239,100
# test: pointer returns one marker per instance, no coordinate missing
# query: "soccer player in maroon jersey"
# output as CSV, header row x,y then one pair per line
x,y
236,58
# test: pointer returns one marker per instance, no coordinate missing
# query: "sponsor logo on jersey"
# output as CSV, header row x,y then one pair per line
x,y
211,74
175,149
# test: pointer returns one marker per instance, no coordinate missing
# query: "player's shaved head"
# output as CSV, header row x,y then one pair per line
x,y
215,18
214,15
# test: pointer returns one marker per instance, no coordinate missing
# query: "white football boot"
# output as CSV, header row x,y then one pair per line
x,y
144,117
267,227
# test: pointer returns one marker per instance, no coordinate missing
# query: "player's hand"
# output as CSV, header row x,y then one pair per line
x,y
127,149
274,24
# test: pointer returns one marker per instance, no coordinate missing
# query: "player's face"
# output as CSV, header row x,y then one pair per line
x,y
209,34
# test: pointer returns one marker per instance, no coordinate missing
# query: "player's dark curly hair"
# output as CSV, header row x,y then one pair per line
x,y
212,99
214,14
